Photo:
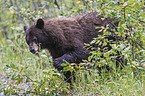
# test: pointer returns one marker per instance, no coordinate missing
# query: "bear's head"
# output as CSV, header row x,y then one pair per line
x,y
36,37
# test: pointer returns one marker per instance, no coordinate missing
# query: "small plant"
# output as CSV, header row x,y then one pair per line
x,y
22,73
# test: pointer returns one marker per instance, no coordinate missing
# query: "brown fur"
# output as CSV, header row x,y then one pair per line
x,y
64,37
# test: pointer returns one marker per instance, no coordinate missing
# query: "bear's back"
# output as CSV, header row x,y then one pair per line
x,y
80,29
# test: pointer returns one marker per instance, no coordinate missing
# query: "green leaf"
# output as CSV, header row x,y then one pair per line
x,y
137,6
122,46
126,49
99,1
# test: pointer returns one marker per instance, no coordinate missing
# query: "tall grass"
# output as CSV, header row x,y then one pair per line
x,y
23,73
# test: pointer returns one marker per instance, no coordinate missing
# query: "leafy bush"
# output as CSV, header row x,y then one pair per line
x,y
22,73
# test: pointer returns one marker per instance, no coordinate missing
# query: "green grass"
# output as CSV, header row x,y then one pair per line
x,y
23,73
18,67
122,83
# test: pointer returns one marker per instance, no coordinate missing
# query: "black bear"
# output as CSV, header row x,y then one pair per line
x,y
64,37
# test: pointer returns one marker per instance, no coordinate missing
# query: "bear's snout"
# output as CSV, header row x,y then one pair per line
x,y
32,50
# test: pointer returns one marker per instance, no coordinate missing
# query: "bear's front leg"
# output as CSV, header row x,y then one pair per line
x,y
75,56
57,63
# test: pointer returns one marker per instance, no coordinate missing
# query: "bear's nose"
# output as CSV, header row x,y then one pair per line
x,y
32,50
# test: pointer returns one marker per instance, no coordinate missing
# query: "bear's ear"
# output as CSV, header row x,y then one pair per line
x,y
25,28
40,24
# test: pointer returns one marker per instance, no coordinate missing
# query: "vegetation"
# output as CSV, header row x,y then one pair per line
x,y
22,73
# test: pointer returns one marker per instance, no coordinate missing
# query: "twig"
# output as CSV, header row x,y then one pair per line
x,y
56,3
